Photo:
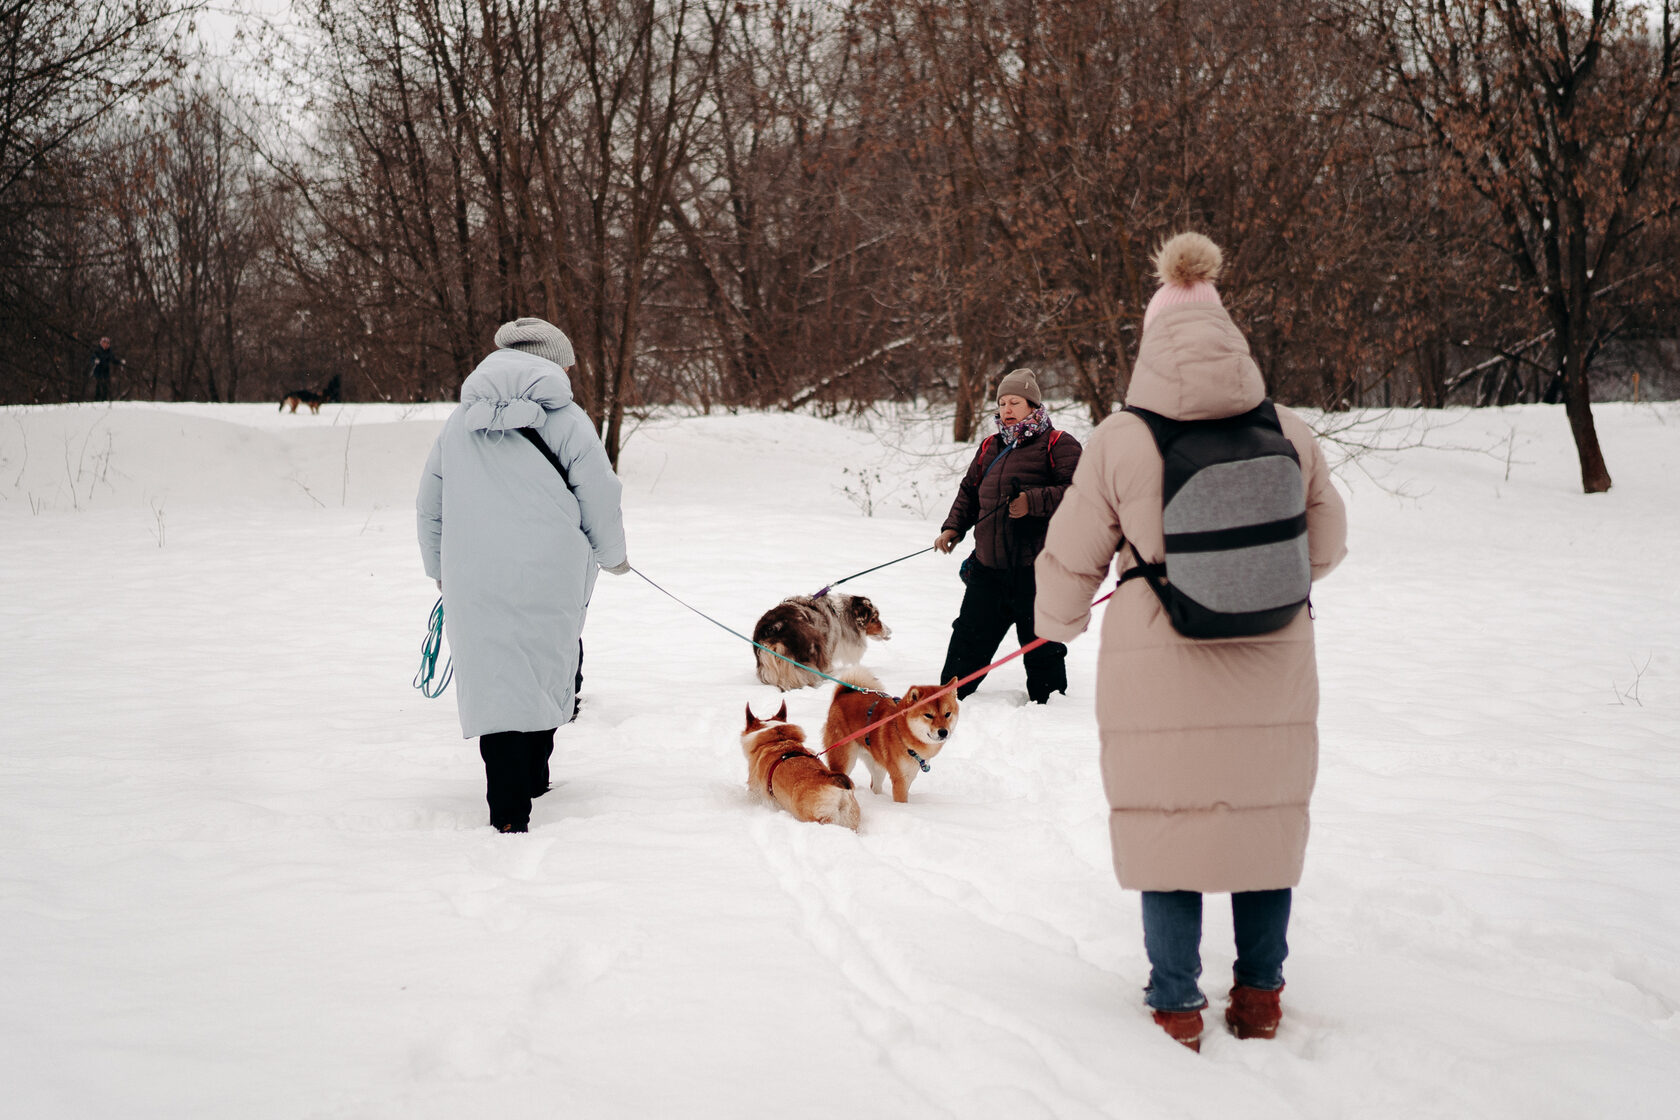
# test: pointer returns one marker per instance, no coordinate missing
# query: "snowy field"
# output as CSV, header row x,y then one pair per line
x,y
245,869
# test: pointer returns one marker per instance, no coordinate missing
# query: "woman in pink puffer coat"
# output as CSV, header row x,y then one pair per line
x,y
1209,747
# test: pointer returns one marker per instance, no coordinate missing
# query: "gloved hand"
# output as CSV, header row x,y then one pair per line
x,y
619,568
1018,507
947,540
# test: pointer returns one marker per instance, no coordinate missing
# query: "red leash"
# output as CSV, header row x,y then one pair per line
x,y
1028,648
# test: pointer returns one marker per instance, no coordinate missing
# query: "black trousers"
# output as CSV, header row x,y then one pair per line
x,y
996,599
515,770
516,766
577,688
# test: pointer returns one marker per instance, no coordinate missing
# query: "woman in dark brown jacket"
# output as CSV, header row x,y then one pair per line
x,y
1013,486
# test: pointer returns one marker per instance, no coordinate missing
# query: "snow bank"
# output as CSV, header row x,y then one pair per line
x,y
244,868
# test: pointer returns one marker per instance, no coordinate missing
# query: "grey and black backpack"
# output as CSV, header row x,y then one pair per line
x,y
1234,512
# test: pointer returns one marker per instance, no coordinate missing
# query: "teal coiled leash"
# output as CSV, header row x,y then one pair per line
x,y
429,655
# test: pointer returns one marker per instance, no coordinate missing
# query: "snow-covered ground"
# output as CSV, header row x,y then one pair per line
x,y
245,870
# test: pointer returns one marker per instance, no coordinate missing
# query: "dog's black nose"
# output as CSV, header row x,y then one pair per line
x,y
944,731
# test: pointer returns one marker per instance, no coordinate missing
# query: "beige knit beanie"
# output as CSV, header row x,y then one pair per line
x,y
1022,383
539,337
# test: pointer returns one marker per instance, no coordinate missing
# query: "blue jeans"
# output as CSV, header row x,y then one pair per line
x,y
1172,936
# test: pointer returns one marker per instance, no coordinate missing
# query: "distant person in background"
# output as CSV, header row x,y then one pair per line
x,y
518,509
1012,487
102,359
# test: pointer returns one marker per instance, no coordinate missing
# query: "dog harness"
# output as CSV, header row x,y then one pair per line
x,y
770,778
869,718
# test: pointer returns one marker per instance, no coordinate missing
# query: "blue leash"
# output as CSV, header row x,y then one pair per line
x,y
429,654
749,641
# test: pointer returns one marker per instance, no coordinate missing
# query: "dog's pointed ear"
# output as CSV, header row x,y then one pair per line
x,y
752,720
781,713
913,695
950,682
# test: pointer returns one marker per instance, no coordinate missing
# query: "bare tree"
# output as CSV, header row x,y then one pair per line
x,y
65,65
1553,113
178,202
647,67
501,157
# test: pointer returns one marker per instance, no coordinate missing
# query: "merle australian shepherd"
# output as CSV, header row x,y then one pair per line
x,y
821,631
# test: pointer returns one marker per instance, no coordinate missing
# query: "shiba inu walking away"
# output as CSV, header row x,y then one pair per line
x,y
780,768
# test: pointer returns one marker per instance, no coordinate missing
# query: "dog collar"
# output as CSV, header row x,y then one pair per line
x,y
920,761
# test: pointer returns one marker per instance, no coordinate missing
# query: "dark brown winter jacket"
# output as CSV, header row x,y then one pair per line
x,y
1040,467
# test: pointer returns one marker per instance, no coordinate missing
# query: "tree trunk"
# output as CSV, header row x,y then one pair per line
x,y
1577,405
962,426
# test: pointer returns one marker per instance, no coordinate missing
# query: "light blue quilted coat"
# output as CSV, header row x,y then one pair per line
x,y
517,551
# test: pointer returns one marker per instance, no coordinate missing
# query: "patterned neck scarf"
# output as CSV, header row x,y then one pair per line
x,y
1035,422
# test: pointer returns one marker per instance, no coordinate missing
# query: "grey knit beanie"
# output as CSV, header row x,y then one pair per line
x,y
1022,383
539,337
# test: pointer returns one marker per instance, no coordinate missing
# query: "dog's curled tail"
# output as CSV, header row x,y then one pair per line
x,y
861,678
842,809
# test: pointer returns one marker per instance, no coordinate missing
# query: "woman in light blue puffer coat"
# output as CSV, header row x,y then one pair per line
x,y
515,547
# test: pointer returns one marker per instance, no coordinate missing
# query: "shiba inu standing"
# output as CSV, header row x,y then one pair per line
x,y
899,749
780,768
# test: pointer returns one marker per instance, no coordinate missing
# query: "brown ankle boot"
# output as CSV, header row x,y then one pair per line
x,y
1253,1013
1185,1026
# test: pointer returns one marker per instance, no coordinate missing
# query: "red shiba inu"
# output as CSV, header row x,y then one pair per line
x,y
780,769
899,749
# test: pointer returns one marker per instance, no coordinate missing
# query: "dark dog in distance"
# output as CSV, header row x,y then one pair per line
x,y
821,631
312,398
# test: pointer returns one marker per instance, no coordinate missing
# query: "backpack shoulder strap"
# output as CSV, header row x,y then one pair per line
x,y
547,453
1267,411
1161,428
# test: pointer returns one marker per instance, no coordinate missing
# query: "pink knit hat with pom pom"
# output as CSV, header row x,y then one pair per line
x,y
1187,265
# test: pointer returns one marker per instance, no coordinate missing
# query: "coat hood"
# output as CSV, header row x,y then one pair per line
x,y
1194,364
511,389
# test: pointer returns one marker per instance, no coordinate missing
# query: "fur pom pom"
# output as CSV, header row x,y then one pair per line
x,y
1188,259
